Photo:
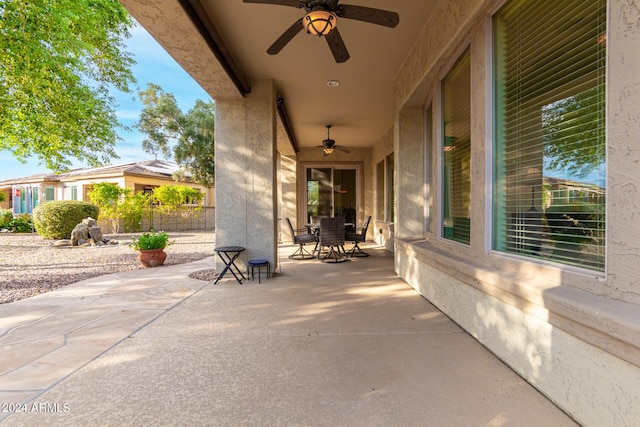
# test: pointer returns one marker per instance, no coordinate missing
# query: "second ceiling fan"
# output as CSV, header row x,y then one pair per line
x,y
321,20
328,145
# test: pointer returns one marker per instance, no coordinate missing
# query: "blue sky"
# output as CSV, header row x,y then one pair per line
x,y
153,65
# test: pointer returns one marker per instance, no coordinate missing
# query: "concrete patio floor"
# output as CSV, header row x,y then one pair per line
x,y
346,344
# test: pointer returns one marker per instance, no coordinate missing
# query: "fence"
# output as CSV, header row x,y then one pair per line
x,y
181,220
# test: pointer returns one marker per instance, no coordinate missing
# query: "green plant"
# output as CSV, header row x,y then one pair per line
x,y
3,196
179,199
173,197
57,219
117,203
151,240
5,217
20,224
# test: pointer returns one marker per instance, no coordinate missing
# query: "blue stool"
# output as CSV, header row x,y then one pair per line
x,y
259,263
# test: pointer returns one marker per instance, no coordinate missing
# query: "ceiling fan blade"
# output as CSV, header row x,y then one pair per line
x,y
292,3
344,150
286,37
371,15
337,46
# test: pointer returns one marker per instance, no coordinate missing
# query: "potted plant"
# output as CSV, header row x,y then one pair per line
x,y
151,246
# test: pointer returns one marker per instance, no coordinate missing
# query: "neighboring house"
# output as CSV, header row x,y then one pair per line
x,y
24,194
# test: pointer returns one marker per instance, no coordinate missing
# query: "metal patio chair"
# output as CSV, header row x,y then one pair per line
x,y
301,237
332,236
357,236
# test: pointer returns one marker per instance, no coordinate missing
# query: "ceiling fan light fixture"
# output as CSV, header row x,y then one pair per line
x,y
320,22
328,150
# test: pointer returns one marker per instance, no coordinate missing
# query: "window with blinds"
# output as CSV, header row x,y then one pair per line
x,y
456,152
549,157
391,195
380,196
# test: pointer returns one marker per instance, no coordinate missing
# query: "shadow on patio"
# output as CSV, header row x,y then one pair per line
x,y
319,344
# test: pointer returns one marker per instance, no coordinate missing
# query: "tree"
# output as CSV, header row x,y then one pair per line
x,y
58,61
188,138
117,203
180,199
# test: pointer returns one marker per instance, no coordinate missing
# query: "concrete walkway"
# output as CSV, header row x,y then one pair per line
x,y
320,344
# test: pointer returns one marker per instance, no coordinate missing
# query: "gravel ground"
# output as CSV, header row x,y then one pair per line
x,y
30,265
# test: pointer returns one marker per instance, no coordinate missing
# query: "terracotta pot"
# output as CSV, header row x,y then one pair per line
x,y
152,257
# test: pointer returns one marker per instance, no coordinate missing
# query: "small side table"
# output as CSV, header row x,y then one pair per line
x,y
258,263
228,255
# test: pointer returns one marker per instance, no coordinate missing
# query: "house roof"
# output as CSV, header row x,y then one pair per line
x,y
151,168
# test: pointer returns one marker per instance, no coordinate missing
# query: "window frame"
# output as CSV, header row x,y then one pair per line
x,y
575,88
440,140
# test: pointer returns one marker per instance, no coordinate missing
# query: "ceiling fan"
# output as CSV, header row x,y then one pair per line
x,y
321,19
328,145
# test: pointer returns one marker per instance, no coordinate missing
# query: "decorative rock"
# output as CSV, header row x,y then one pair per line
x,y
90,222
88,233
61,243
95,233
80,232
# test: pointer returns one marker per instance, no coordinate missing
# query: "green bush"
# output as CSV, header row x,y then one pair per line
x,y
5,217
56,220
20,224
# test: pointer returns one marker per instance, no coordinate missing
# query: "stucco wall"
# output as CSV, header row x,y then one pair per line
x,y
246,172
573,333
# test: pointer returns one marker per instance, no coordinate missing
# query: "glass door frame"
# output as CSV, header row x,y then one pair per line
x,y
333,166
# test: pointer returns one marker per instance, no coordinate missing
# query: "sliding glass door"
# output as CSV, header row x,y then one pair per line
x,y
333,191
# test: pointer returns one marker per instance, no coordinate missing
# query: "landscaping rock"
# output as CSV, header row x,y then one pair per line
x,y
95,233
80,232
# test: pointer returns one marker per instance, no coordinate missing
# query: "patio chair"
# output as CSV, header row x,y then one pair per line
x,y
301,237
358,236
332,236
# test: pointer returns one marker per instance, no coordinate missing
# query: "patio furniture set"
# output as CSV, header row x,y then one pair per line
x,y
329,236
329,233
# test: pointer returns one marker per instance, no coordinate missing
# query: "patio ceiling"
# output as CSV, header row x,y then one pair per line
x,y
360,108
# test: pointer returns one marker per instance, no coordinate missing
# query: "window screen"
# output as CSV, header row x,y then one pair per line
x,y
549,164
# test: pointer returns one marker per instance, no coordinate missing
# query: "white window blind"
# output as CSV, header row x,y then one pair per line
x,y
456,147
549,164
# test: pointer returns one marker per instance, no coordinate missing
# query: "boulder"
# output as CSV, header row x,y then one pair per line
x,y
80,232
95,233
90,222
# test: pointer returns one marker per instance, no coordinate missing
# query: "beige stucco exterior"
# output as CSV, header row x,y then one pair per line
x,y
572,333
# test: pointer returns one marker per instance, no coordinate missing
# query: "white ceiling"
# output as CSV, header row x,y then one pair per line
x,y
361,108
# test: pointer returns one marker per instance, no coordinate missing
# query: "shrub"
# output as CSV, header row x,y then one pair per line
x,y
21,224
116,203
5,217
56,220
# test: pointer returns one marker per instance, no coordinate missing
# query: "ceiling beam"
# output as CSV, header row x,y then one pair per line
x,y
286,123
200,19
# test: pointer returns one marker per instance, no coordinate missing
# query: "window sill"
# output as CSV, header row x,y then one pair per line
x,y
539,290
